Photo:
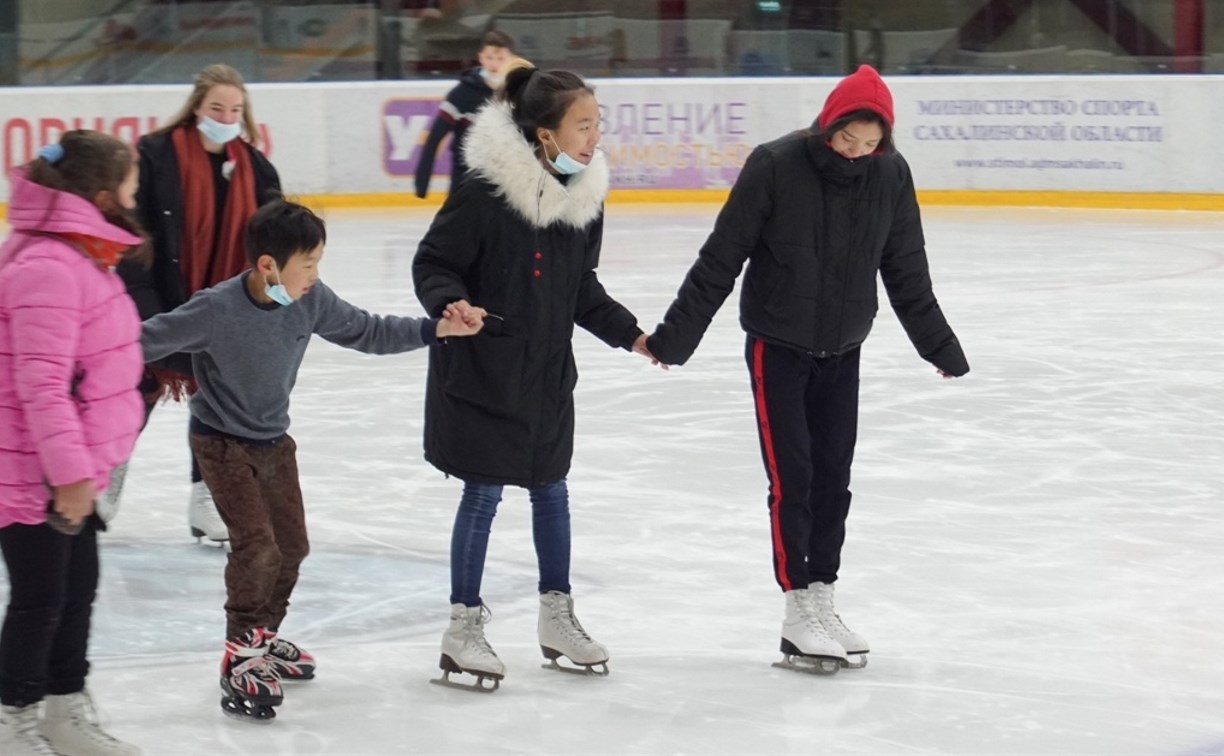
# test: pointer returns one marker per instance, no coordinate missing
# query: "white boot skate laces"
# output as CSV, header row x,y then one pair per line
x,y
474,636
87,720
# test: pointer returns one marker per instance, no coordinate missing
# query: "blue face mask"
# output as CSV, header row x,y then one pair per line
x,y
493,80
218,133
564,163
278,293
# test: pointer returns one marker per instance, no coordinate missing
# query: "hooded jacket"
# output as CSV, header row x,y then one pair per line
x,y
70,354
454,114
815,230
513,239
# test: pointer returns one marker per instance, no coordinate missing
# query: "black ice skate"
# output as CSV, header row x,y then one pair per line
x,y
288,660
251,687
465,650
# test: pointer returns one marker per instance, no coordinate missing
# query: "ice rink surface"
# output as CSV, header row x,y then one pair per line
x,y
1035,551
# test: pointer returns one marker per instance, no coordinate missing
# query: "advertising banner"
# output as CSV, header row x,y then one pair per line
x,y
1087,134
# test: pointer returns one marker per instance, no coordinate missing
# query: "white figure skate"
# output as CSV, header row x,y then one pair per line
x,y
108,503
202,516
70,725
806,645
561,634
20,734
854,644
465,650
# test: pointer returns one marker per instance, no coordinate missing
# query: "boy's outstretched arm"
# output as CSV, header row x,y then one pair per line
x,y
186,328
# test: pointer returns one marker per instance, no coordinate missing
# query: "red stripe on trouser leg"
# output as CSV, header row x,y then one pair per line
x,y
771,461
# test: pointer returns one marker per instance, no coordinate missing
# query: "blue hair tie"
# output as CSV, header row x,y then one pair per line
x,y
51,153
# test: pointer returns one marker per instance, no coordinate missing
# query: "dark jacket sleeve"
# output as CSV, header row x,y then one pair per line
x,y
267,180
712,277
596,310
442,126
449,249
138,277
907,278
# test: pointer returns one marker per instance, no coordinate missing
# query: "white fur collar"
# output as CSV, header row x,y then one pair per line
x,y
496,151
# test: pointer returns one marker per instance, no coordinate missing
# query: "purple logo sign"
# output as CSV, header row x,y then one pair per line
x,y
405,127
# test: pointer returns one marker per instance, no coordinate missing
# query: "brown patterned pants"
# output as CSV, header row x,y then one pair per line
x,y
256,489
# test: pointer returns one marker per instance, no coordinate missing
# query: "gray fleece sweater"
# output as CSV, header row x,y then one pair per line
x,y
246,355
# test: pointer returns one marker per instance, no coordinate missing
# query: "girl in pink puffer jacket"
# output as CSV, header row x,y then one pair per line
x,y
70,361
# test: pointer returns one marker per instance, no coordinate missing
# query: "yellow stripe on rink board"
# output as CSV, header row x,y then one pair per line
x,y
1103,200
1113,200
1109,200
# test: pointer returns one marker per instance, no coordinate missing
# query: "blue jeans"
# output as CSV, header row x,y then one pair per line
x,y
550,525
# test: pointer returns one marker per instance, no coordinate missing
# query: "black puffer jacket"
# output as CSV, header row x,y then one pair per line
x,y
513,239
815,229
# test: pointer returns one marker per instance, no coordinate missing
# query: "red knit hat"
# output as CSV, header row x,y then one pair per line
x,y
861,90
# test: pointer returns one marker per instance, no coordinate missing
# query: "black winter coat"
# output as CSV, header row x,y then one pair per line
x,y
511,238
815,229
159,207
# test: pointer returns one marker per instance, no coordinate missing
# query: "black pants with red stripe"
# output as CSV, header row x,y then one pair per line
x,y
807,421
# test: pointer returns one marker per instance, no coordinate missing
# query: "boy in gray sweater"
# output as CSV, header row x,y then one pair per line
x,y
247,337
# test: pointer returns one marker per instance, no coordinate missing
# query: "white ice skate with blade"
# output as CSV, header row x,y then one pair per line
x,y
806,645
70,725
20,734
854,644
561,634
202,516
108,503
465,650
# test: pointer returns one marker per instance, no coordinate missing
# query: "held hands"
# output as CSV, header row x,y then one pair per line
x,y
75,501
639,346
461,319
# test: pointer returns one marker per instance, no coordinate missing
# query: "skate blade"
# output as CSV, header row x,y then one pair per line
x,y
855,661
811,665
479,686
256,714
598,669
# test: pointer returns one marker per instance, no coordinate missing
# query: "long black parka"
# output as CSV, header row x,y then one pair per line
x,y
815,230
515,240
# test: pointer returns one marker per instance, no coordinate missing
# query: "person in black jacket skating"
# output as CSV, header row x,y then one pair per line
x,y
202,177
520,238
475,87
816,214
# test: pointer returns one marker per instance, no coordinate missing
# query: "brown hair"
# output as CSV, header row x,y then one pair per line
x,y
211,76
92,162
497,39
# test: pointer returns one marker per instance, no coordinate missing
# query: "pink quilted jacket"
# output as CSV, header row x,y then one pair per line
x,y
70,355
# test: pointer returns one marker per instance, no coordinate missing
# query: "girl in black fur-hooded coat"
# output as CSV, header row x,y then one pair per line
x,y
520,238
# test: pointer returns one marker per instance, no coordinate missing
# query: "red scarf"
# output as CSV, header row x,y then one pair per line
x,y
205,260
105,254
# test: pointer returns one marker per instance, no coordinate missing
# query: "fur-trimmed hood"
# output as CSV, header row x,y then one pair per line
x,y
496,151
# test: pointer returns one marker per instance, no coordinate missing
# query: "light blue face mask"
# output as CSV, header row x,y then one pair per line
x,y
493,80
277,292
218,133
564,163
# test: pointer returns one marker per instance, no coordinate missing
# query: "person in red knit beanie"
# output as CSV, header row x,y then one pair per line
x,y
820,213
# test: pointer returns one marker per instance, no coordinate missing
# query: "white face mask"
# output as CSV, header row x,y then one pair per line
x,y
277,292
218,133
564,163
